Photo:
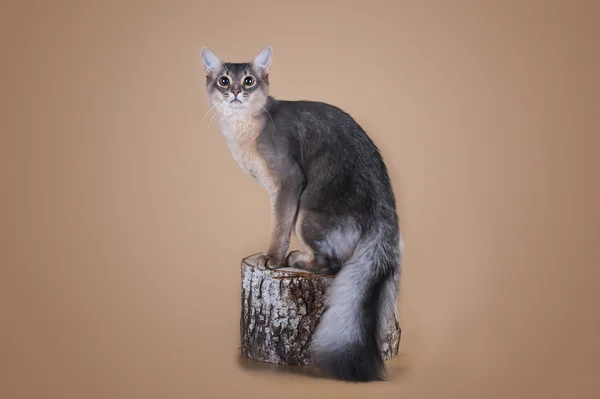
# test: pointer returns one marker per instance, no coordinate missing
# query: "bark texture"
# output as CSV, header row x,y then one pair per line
x,y
280,311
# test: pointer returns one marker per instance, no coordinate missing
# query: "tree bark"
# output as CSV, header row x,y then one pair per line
x,y
280,311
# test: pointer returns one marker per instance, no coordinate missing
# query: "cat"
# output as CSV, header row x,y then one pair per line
x,y
327,182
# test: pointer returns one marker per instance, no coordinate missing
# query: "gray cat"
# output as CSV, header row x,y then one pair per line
x,y
328,182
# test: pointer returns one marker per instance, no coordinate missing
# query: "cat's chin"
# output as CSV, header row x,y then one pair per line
x,y
237,105
242,108
234,109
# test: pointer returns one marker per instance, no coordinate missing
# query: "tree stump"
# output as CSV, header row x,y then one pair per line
x,y
280,311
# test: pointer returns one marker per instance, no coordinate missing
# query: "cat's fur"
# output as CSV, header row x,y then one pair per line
x,y
328,182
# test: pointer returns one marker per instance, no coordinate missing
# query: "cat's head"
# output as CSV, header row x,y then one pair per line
x,y
237,87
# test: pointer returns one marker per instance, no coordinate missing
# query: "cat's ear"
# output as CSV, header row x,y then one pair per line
x,y
210,61
262,61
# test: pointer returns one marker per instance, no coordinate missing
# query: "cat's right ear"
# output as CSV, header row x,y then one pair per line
x,y
210,61
263,60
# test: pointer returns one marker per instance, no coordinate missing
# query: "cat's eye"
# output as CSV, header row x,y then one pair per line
x,y
248,81
223,80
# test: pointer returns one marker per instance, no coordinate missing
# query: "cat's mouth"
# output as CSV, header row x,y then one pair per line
x,y
236,104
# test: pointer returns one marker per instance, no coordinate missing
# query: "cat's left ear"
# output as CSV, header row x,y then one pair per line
x,y
262,61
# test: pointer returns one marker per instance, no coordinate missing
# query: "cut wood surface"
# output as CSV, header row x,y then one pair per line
x,y
280,311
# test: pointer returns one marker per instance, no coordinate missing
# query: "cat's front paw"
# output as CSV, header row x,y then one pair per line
x,y
265,261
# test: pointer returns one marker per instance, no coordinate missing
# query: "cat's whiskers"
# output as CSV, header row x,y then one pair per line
x,y
226,105
211,108
221,105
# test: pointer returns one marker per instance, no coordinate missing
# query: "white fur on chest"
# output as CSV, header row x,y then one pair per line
x,y
240,133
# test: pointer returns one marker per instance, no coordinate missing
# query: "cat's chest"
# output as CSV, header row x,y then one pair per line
x,y
242,142
246,155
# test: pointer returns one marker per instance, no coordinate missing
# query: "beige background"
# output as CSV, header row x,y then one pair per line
x,y
124,217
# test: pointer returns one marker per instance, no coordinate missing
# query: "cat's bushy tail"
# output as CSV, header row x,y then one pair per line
x,y
347,340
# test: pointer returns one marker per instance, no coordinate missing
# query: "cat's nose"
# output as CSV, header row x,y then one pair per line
x,y
235,92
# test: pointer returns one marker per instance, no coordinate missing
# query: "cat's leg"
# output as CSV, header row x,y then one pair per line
x,y
327,244
284,206
306,260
